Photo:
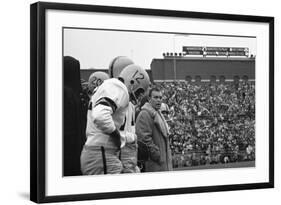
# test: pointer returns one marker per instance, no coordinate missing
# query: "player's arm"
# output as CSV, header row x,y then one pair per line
x,y
102,117
144,126
127,130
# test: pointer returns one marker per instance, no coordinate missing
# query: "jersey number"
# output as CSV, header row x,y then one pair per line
x,y
122,128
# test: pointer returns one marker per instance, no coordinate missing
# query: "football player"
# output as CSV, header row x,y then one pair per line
x,y
129,149
95,80
106,115
117,65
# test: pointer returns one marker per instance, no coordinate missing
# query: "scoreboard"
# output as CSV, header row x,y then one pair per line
x,y
215,51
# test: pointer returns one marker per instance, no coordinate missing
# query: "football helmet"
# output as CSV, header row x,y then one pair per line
x,y
117,65
95,80
136,80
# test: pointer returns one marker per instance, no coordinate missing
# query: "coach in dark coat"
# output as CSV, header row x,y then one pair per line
x,y
73,123
152,130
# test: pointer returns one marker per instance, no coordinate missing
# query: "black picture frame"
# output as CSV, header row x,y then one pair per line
x,y
38,100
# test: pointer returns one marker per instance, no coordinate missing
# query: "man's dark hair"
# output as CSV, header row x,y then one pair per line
x,y
153,89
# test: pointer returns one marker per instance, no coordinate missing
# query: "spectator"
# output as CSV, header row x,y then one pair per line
x,y
152,130
73,123
95,80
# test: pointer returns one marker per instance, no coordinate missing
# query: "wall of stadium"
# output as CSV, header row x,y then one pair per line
x,y
85,73
204,68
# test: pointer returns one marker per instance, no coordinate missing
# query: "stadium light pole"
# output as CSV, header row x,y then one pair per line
x,y
174,60
174,45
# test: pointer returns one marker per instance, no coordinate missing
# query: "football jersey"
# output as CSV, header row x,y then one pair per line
x,y
127,130
129,142
103,120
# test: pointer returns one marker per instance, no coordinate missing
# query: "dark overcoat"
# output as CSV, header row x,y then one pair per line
x,y
73,120
151,130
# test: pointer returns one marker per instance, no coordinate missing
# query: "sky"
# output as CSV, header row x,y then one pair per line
x,y
96,48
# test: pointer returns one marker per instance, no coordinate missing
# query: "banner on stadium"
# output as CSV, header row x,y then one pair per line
x,y
211,53
192,48
215,51
237,49
236,53
221,49
193,53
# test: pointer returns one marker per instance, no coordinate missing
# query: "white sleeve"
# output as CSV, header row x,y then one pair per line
x,y
102,118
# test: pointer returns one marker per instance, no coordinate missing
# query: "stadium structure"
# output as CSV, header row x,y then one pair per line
x,y
205,64
199,64
85,73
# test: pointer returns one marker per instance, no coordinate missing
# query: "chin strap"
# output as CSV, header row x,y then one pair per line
x,y
133,97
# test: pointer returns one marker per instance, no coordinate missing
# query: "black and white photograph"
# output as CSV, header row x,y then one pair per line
x,y
148,102
133,102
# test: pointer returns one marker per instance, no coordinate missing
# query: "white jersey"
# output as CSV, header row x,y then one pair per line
x,y
127,130
103,120
129,142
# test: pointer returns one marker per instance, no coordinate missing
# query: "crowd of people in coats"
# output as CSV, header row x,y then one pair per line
x,y
210,123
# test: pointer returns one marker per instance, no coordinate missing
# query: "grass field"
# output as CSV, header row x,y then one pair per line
x,y
219,166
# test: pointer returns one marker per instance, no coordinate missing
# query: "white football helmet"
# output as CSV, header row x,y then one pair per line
x,y
117,65
95,80
136,80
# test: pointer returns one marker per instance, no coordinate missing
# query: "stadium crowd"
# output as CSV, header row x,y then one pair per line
x,y
210,123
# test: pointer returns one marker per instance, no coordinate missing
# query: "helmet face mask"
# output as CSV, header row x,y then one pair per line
x,y
137,96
